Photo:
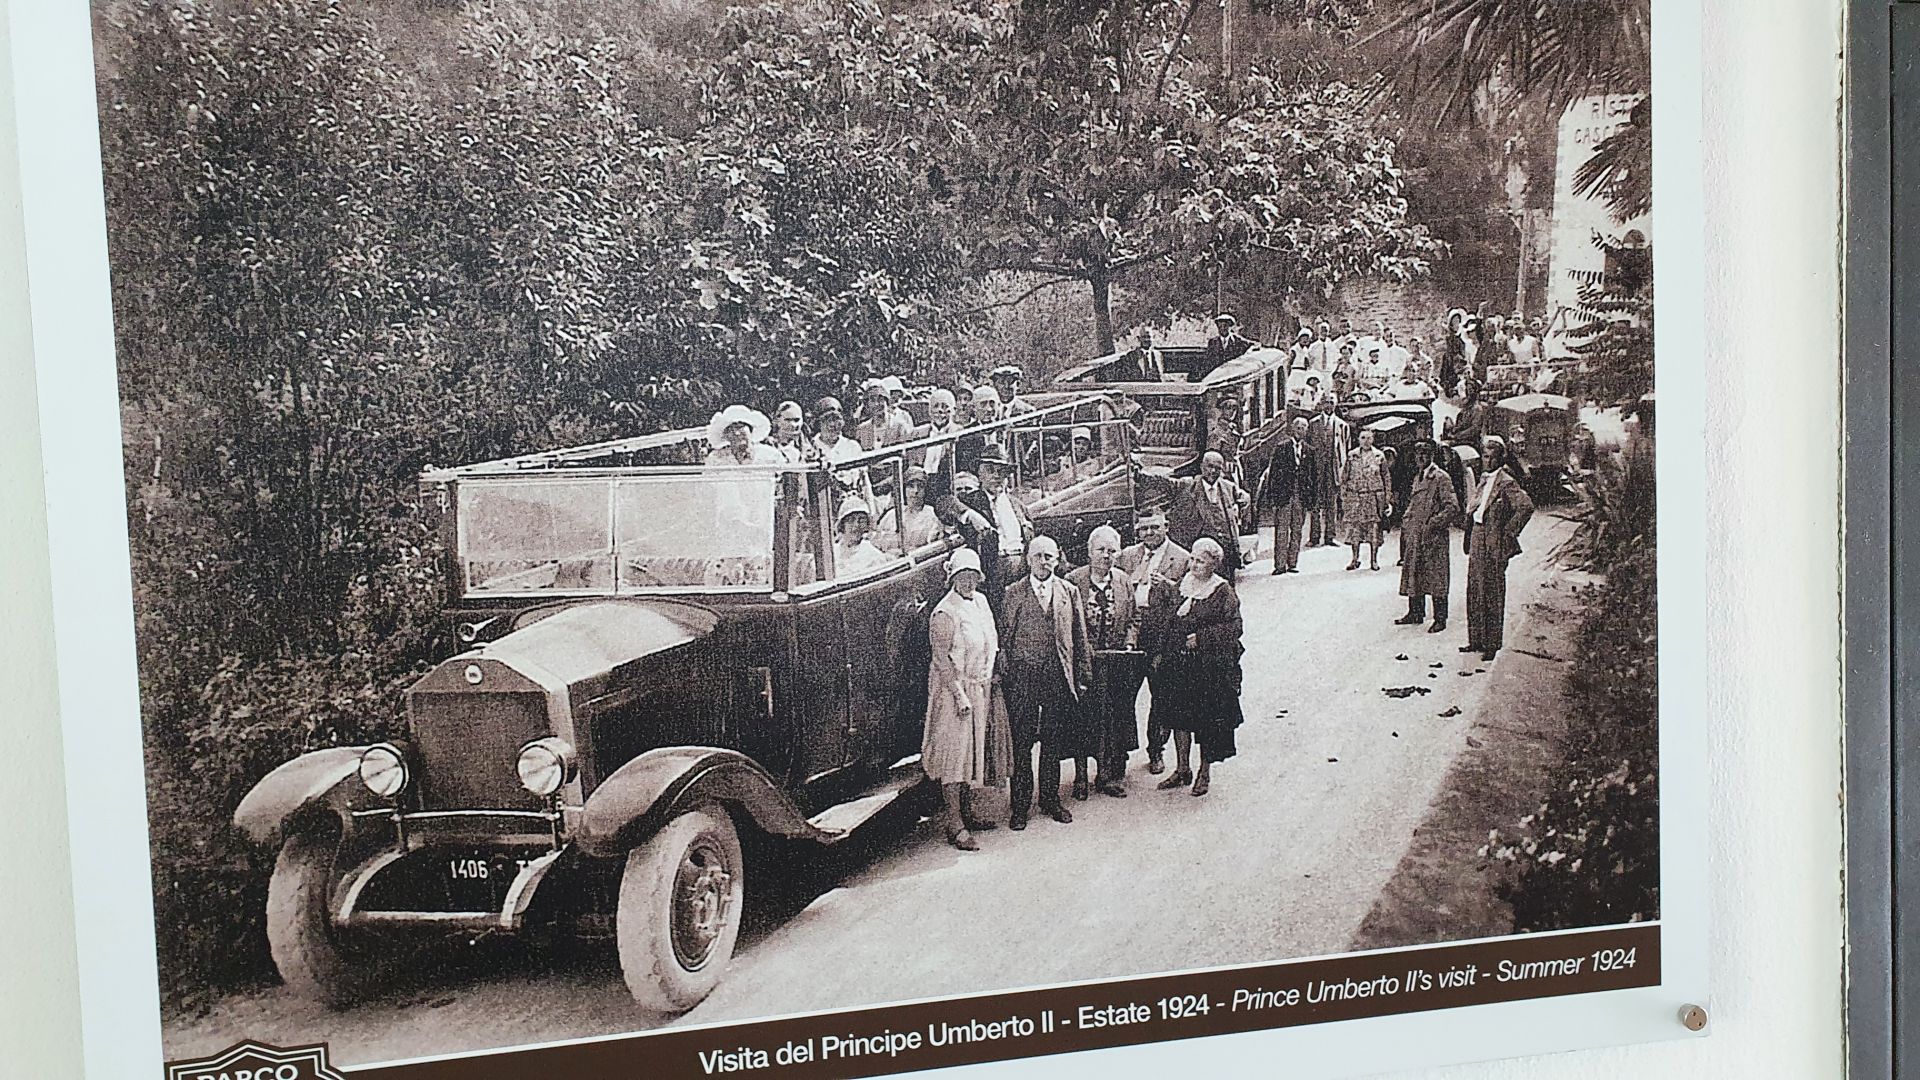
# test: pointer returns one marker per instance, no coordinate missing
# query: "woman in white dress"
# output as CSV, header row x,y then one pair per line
x,y
955,751
1365,493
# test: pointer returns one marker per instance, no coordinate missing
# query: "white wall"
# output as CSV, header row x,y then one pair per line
x,y
1773,413
1772,149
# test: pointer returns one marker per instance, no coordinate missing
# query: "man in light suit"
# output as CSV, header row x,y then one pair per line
x,y
1046,666
1155,560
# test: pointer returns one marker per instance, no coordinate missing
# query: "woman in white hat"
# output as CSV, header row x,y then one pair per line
x,y
853,551
737,435
955,751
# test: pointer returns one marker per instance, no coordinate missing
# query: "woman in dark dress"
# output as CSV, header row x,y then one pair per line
x,y
1195,643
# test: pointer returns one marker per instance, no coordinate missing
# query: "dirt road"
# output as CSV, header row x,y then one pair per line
x,y
1284,858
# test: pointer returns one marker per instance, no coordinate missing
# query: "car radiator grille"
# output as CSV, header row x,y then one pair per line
x,y
467,745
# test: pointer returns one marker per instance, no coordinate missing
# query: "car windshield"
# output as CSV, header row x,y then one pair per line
x,y
617,534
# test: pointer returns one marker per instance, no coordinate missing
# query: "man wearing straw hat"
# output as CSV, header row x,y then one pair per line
x,y
1006,390
1498,511
737,436
1225,344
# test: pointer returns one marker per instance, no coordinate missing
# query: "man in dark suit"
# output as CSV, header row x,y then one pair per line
x,y
1046,665
957,501
1288,489
1225,344
1327,434
1209,504
1113,632
1155,560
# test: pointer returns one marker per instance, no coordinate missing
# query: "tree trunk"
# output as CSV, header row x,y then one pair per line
x,y
1102,312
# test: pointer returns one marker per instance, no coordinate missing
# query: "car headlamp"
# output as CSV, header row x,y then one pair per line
x,y
383,768
545,766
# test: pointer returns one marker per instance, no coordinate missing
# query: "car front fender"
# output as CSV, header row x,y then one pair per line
x,y
649,791
293,787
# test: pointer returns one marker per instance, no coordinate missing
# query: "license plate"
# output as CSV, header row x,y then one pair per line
x,y
478,881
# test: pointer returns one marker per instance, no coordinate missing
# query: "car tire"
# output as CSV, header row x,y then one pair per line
x,y
310,953
681,896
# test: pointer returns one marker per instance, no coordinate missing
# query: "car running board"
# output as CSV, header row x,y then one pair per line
x,y
840,820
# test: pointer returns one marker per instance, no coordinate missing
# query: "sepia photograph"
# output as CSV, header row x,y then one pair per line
x,y
674,512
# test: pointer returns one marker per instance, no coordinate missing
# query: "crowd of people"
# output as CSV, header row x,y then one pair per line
x,y
1375,363
1314,469
742,435
1030,657
1053,661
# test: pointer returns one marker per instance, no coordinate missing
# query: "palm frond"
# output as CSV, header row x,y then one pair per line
x,y
1621,169
1560,49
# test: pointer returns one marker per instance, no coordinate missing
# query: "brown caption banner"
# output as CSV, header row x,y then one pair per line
x,y
1031,1023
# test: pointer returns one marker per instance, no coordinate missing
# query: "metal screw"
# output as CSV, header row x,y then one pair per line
x,y
1693,1017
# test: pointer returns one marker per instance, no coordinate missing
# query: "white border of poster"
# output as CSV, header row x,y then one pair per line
x,y
71,325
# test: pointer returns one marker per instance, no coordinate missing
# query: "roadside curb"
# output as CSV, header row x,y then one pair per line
x,y
1443,889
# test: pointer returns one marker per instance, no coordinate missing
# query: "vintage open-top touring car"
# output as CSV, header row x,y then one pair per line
x,y
668,670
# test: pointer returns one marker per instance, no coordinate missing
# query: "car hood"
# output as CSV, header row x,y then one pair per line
x,y
581,642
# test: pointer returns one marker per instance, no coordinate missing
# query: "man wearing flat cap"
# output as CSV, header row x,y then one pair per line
x,y
1225,344
1006,388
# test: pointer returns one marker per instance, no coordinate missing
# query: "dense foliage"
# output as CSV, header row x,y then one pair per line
x,y
1135,158
1589,855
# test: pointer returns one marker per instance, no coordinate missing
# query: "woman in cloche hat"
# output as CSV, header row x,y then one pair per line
x,y
956,750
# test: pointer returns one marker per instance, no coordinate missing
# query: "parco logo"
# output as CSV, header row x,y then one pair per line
x,y
257,1061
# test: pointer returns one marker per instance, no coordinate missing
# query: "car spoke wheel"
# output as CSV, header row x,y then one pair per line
x,y
679,914
315,959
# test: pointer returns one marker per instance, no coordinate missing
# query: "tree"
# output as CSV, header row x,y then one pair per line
x,y
828,245
1101,150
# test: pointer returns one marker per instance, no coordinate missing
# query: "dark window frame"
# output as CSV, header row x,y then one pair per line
x,y
1881,544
